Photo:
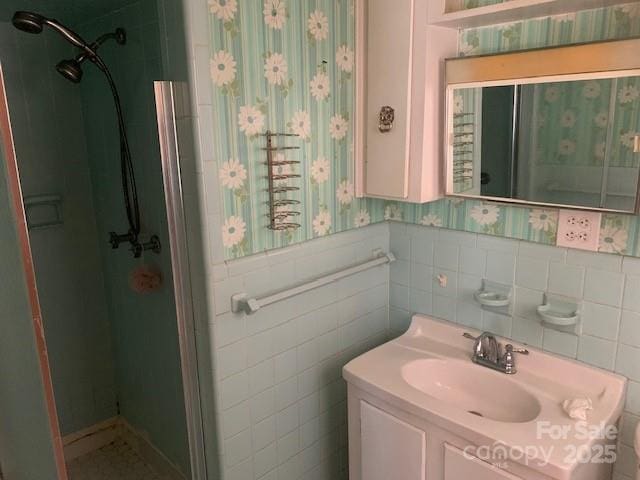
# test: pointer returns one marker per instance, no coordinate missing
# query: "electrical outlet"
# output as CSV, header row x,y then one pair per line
x,y
577,229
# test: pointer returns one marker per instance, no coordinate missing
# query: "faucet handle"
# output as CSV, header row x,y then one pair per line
x,y
509,349
469,336
508,360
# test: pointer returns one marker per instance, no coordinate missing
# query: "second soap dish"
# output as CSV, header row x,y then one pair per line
x,y
558,317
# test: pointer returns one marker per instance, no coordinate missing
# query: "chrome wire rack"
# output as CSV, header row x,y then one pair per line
x,y
282,210
463,149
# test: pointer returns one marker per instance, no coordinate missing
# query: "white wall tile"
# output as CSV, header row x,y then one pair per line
x,y
234,390
264,433
422,250
262,376
560,343
596,351
630,328
265,460
528,331
473,261
497,244
627,362
633,398
532,273
567,280
501,267
612,263
232,359
235,420
600,320
421,277
604,287
631,299
446,256
542,252
237,448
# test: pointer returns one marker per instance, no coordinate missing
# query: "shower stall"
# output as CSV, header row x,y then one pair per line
x,y
97,211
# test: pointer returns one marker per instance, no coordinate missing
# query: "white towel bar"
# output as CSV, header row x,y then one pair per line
x,y
241,302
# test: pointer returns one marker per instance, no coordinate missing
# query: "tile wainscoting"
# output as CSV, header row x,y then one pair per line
x,y
605,286
281,401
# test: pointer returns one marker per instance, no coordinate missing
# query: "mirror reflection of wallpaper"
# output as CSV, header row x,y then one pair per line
x,y
583,135
242,41
481,3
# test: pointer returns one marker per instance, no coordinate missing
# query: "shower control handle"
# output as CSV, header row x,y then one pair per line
x,y
153,245
115,240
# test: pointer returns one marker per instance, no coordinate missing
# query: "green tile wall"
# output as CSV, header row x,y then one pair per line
x,y
52,158
25,425
148,374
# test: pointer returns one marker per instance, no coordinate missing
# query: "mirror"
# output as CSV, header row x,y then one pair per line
x,y
569,139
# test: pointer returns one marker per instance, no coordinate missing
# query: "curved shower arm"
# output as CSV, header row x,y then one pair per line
x,y
70,35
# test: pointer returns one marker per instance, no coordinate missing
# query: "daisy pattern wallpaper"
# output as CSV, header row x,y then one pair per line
x,y
287,66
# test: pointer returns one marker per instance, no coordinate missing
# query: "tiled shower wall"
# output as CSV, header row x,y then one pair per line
x,y
280,394
147,357
52,158
605,287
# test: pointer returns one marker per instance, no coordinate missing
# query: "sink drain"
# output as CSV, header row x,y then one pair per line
x,y
473,412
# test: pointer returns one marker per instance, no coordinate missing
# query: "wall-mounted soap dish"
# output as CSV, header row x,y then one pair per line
x,y
494,297
555,317
43,211
559,314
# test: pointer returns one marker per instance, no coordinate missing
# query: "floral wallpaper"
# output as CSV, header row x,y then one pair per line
x,y
287,66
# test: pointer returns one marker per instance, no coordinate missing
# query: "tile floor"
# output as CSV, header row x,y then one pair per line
x,y
116,461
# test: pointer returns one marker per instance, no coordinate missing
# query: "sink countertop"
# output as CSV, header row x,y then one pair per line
x,y
548,378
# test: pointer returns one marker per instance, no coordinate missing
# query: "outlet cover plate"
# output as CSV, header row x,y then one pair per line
x,y
579,229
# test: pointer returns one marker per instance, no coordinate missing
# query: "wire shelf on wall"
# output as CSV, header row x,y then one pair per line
x,y
281,209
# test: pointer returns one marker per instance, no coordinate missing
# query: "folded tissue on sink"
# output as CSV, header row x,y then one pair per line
x,y
577,408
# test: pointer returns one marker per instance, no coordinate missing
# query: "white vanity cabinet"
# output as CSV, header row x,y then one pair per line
x,y
459,466
391,448
389,444
400,65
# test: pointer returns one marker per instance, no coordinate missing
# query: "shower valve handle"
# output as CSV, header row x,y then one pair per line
x,y
115,240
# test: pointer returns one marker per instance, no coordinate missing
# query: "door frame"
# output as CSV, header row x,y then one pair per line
x,y
17,205
170,99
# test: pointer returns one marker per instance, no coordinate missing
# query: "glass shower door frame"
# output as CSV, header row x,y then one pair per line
x,y
170,98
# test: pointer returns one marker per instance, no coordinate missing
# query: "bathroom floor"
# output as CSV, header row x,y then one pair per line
x,y
116,461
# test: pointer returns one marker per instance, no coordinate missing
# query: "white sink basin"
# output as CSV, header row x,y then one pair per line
x,y
473,389
428,373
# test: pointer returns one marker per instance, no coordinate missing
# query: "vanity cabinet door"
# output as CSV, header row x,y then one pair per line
x,y
391,448
458,466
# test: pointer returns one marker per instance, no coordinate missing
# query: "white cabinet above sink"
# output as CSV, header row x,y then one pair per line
x,y
401,72
419,404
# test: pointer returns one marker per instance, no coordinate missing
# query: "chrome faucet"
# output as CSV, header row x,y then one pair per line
x,y
486,352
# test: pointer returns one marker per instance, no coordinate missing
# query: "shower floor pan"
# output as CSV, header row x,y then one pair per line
x,y
116,461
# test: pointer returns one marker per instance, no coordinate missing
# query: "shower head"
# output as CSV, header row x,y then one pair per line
x,y
31,22
28,22
70,69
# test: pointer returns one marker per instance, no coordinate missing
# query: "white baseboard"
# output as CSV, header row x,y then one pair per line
x,y
90,439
